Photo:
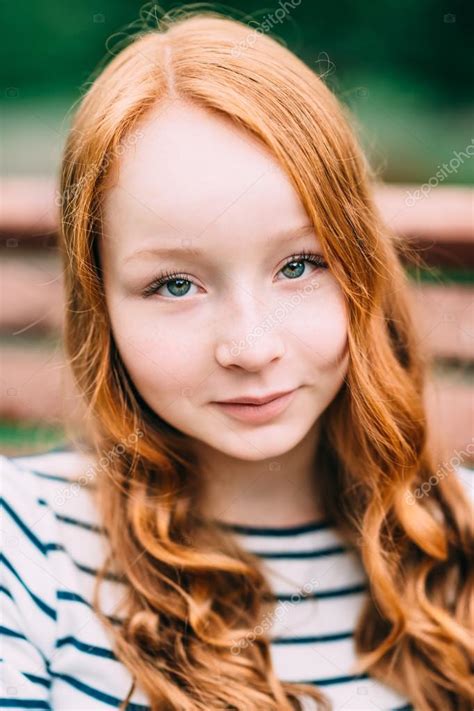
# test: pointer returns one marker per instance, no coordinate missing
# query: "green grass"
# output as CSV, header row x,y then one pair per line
x,y
441,275
17,438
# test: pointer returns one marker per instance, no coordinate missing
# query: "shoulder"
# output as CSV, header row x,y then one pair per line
x,y
466,477
64,465
61,482
39,494
50,523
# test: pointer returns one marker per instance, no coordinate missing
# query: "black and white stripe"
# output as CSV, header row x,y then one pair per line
x,y
56,654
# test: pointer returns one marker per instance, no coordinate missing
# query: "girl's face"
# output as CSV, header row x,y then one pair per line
x,y
201,198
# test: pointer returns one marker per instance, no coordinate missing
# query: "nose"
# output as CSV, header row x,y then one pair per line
x,y
250,339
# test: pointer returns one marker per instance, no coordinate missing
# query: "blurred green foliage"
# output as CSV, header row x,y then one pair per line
x,y
403,68
52,47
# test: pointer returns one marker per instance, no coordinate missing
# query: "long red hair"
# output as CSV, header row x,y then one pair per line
x,y
192,592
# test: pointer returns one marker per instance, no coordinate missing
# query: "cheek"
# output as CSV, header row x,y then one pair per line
x,y
322,327
156,356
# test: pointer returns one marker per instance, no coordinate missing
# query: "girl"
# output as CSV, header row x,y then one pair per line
x,y
221,246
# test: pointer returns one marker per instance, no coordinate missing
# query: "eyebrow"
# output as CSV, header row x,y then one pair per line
x,y
294,234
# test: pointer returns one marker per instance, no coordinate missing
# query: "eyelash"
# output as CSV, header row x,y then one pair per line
x,y
166,277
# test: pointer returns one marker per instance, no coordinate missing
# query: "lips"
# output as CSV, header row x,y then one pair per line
x,y
249,400
258,414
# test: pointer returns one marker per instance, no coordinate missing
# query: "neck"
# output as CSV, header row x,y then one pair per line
x,y
279,491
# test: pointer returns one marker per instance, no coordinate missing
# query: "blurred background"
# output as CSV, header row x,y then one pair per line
x,y
405,71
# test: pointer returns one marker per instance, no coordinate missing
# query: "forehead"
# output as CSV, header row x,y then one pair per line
x,y
194,172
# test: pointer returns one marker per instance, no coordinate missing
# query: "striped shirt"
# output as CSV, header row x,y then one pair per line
x,y
56,654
